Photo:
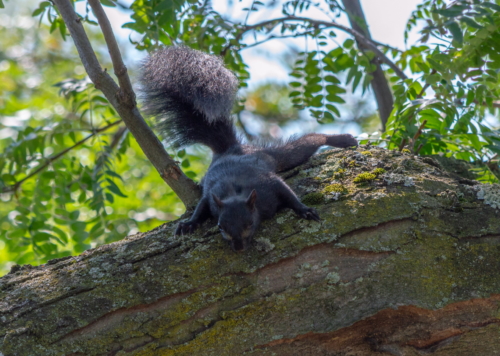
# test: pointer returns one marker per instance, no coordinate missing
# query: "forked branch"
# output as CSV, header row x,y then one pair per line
x,y
122,98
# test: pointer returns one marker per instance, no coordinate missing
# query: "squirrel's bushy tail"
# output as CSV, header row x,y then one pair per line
x,y
191,94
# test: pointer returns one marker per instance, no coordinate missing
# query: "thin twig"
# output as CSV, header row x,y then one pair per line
x,y
402,145
419,132
387,46
427,85
272,37
495,104
127,93
55,157
359,37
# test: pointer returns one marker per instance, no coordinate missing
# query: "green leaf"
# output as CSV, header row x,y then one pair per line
x,y
8,178
451,11
491,6
114,188
78,226
470,97
348,43
62,235
37,11
456,32
114,174
436,65
423,67
433,79
357,79
335,99
108,3
332,79
470,22
74,215
37,225
334,109
41,237
109,197
16,234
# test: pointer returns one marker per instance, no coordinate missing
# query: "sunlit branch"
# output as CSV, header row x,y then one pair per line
x,y
114,52
122,99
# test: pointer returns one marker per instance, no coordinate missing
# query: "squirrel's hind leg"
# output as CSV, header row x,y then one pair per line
x,y
298,151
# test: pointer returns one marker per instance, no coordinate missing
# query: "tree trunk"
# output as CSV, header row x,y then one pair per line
x,y
402,264
380,86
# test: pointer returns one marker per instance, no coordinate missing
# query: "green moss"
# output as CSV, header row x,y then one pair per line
x,y
339,173
367,153
364,177
334,188
378,171
313,198
405,150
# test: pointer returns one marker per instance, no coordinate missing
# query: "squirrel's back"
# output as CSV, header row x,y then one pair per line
x,y
191,95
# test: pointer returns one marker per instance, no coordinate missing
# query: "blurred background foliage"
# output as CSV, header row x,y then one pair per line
x,y
71,176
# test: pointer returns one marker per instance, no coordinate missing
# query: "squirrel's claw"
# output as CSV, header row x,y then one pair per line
x,y
309,214
187,227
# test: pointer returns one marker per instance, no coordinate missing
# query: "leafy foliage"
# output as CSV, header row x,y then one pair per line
x,y
461,74
71,177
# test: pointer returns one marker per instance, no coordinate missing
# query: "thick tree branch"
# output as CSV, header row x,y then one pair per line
x,y
123,100
398,266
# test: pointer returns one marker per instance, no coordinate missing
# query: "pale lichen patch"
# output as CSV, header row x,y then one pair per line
x,y
332,278
490,194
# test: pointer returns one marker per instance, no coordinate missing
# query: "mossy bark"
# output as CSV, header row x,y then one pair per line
x,y
405,263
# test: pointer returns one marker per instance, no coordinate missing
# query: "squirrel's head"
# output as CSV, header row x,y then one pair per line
x,y
238,220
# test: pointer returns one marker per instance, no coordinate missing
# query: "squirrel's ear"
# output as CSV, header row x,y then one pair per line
x,y
251,199
219,202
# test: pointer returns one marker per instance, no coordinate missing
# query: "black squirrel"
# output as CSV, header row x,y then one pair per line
x,y
191,94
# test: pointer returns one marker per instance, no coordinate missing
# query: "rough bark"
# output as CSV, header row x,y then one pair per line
x,y
403,264
380,86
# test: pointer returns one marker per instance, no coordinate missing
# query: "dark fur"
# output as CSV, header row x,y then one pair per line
x,y
191,95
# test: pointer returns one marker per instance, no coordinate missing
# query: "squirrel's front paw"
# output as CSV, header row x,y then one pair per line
x,y
308,213
185,228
